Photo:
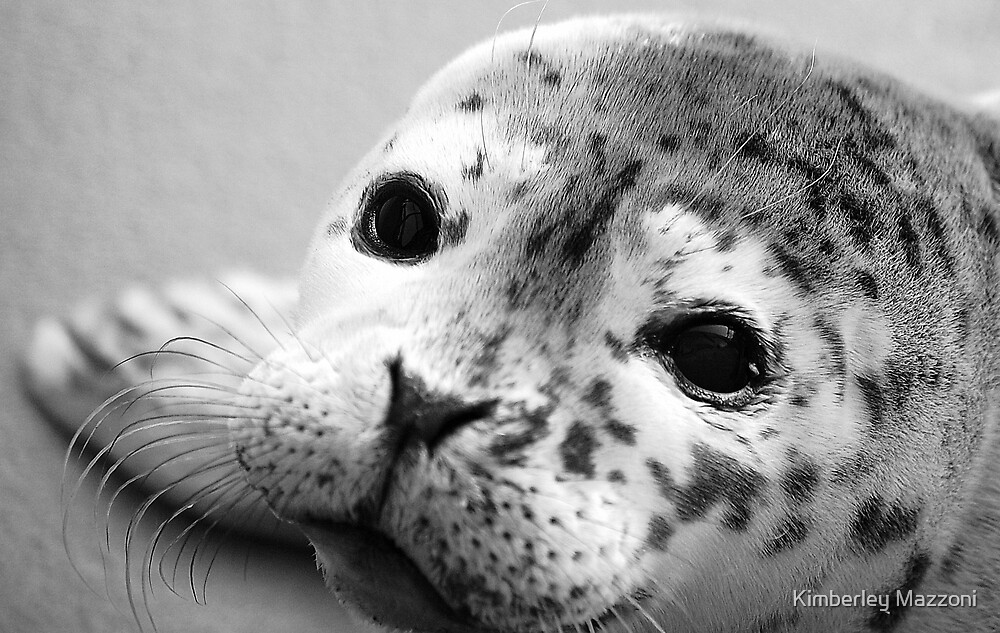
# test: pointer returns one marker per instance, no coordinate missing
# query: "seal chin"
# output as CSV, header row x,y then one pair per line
x,y
371,575
376,579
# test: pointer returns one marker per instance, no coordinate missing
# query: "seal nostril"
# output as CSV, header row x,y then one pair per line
x,y
424,415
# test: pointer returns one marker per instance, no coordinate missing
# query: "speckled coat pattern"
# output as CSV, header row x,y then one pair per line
x,y
598,182
614,177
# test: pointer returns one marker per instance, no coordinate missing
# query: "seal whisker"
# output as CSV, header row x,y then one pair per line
x,y
645,614
216,490
724,335
527,77
259,320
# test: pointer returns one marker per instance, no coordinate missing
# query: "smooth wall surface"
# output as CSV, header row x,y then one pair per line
x,y
146,140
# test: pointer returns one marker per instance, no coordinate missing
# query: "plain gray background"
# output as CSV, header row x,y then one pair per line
x,y
145,140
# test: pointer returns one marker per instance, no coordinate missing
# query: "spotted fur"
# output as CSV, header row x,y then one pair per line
x,y
618,175
492,431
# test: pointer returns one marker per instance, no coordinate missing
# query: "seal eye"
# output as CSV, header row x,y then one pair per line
x,y
399,221
715,359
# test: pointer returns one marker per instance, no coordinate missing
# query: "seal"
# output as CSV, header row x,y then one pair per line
x,y
637,325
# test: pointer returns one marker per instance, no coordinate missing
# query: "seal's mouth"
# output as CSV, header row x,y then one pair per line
x,y
369,572
372,575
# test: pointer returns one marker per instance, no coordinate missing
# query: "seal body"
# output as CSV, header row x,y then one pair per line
x,y
633,325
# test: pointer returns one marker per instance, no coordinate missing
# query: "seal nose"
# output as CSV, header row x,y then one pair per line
x,y
425,416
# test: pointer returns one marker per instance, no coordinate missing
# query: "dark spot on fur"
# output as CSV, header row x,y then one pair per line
x,y
704,135
599,396
874,399
910,243
474,171
757,147
668,143
736,518
852,103
867,283
800,481
816,195
538,240
852,471
625,179
617,476
726,241
596,144
534,61
716,477
579,242
531,58
936,232
901,377
829,335
951,562
802,394
616,347
660,532
509,448
515,294
828,247
860,220
472,103
913,575
577,450
661,477
624,433
876,524
337,227
790,532
560,376
780,622
454,228
478,471
487,360
551,136
768,432
794,269
875,136
870,168
519,189
389,144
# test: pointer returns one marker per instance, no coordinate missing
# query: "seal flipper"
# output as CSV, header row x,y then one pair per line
x,y
148,373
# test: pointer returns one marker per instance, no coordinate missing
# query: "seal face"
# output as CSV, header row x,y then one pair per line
x,y
647,326
640,327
